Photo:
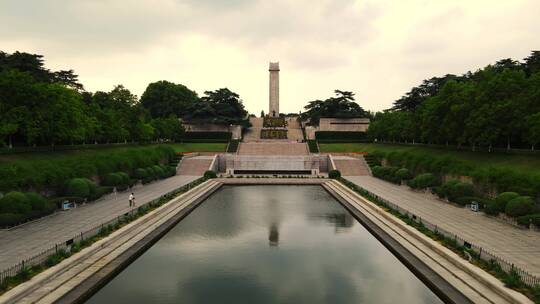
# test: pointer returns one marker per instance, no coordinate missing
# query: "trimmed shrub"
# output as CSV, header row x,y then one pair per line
x,y
334,174
100,191
80,187
424,180
386,173
10,219
519,206
158,171
491,208
151,173
112,179
209,136
141,173
40,206
501,200
464,200
454,189
15,202
210,174
312,145
531,218
124,178
404,174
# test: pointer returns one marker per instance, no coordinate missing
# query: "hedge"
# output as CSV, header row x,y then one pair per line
x,y
45,172
340,136
17,207
503,179
80,187
233,146
519,206
386,173
454,189
312,145
226,136
404,174
209,174
335,174
531,218
141,173
424,180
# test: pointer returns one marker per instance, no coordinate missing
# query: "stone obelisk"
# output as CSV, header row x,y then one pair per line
x,y
274,89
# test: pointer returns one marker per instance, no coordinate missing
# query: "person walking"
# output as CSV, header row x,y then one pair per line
x,y
131,200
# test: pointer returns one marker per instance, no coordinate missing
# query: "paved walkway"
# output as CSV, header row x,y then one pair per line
x,y
518,246
30,239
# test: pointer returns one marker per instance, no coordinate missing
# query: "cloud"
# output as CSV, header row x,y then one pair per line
x,y
376,48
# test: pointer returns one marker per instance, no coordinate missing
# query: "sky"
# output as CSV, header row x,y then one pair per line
x,y
378,49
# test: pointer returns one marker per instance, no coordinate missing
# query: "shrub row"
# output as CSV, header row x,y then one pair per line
x,y
233,146
274,122
391,174
224,136
17,207
503,179
42,172
340,136
312,145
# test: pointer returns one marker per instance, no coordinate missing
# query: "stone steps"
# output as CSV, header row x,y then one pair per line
x,y
273,148
195,166
351,166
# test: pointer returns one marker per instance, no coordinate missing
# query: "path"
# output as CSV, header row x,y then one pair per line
x,y
28,240
518,246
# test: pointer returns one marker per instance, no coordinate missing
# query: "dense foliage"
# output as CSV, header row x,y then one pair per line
x,y
335,174
340,106
497,106
51,173
40,107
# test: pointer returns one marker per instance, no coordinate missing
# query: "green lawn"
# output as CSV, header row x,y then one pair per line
x,y
527,163
200,147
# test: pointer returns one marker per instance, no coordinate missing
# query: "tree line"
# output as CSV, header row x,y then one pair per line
x,y
43,107
496,106
342,105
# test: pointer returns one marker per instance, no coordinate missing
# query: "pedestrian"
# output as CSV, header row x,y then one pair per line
x,y
131,199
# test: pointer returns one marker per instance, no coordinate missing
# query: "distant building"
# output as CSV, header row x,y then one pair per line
x,y
338,125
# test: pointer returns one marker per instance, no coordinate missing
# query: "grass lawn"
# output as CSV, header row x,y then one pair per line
x,y
528,163
200,147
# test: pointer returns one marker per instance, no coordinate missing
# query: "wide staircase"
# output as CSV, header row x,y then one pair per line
x,y
254,132
351,166
195,166
294,130
273,148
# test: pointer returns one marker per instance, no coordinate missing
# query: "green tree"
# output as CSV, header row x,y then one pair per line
x,y
164,98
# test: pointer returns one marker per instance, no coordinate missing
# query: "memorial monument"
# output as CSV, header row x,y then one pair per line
x,y
273,110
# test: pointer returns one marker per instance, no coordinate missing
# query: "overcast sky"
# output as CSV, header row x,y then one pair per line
x,y
378,49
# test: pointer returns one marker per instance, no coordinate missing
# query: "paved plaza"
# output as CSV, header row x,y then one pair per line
x,y
30,239
518,246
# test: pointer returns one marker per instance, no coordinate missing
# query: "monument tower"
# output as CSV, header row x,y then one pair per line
x,y
274,89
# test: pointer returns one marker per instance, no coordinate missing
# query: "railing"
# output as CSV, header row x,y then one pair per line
x,y
42,256
527,278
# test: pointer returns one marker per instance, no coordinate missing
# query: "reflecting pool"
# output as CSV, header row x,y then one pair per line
x,y
267,244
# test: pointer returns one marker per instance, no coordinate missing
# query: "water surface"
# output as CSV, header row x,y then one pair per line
x,y
267,244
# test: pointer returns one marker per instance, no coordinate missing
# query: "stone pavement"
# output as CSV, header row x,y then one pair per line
x,y
30,239
518,246
195,165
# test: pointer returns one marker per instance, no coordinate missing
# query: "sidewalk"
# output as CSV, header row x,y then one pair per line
x,y
32,238
518,246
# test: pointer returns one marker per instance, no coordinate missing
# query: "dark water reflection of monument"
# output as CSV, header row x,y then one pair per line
x,y
225,251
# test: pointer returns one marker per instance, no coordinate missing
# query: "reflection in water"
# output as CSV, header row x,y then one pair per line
x,y
273,235
223,252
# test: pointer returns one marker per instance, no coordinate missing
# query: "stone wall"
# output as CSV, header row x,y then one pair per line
x,y
236,130
338,125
